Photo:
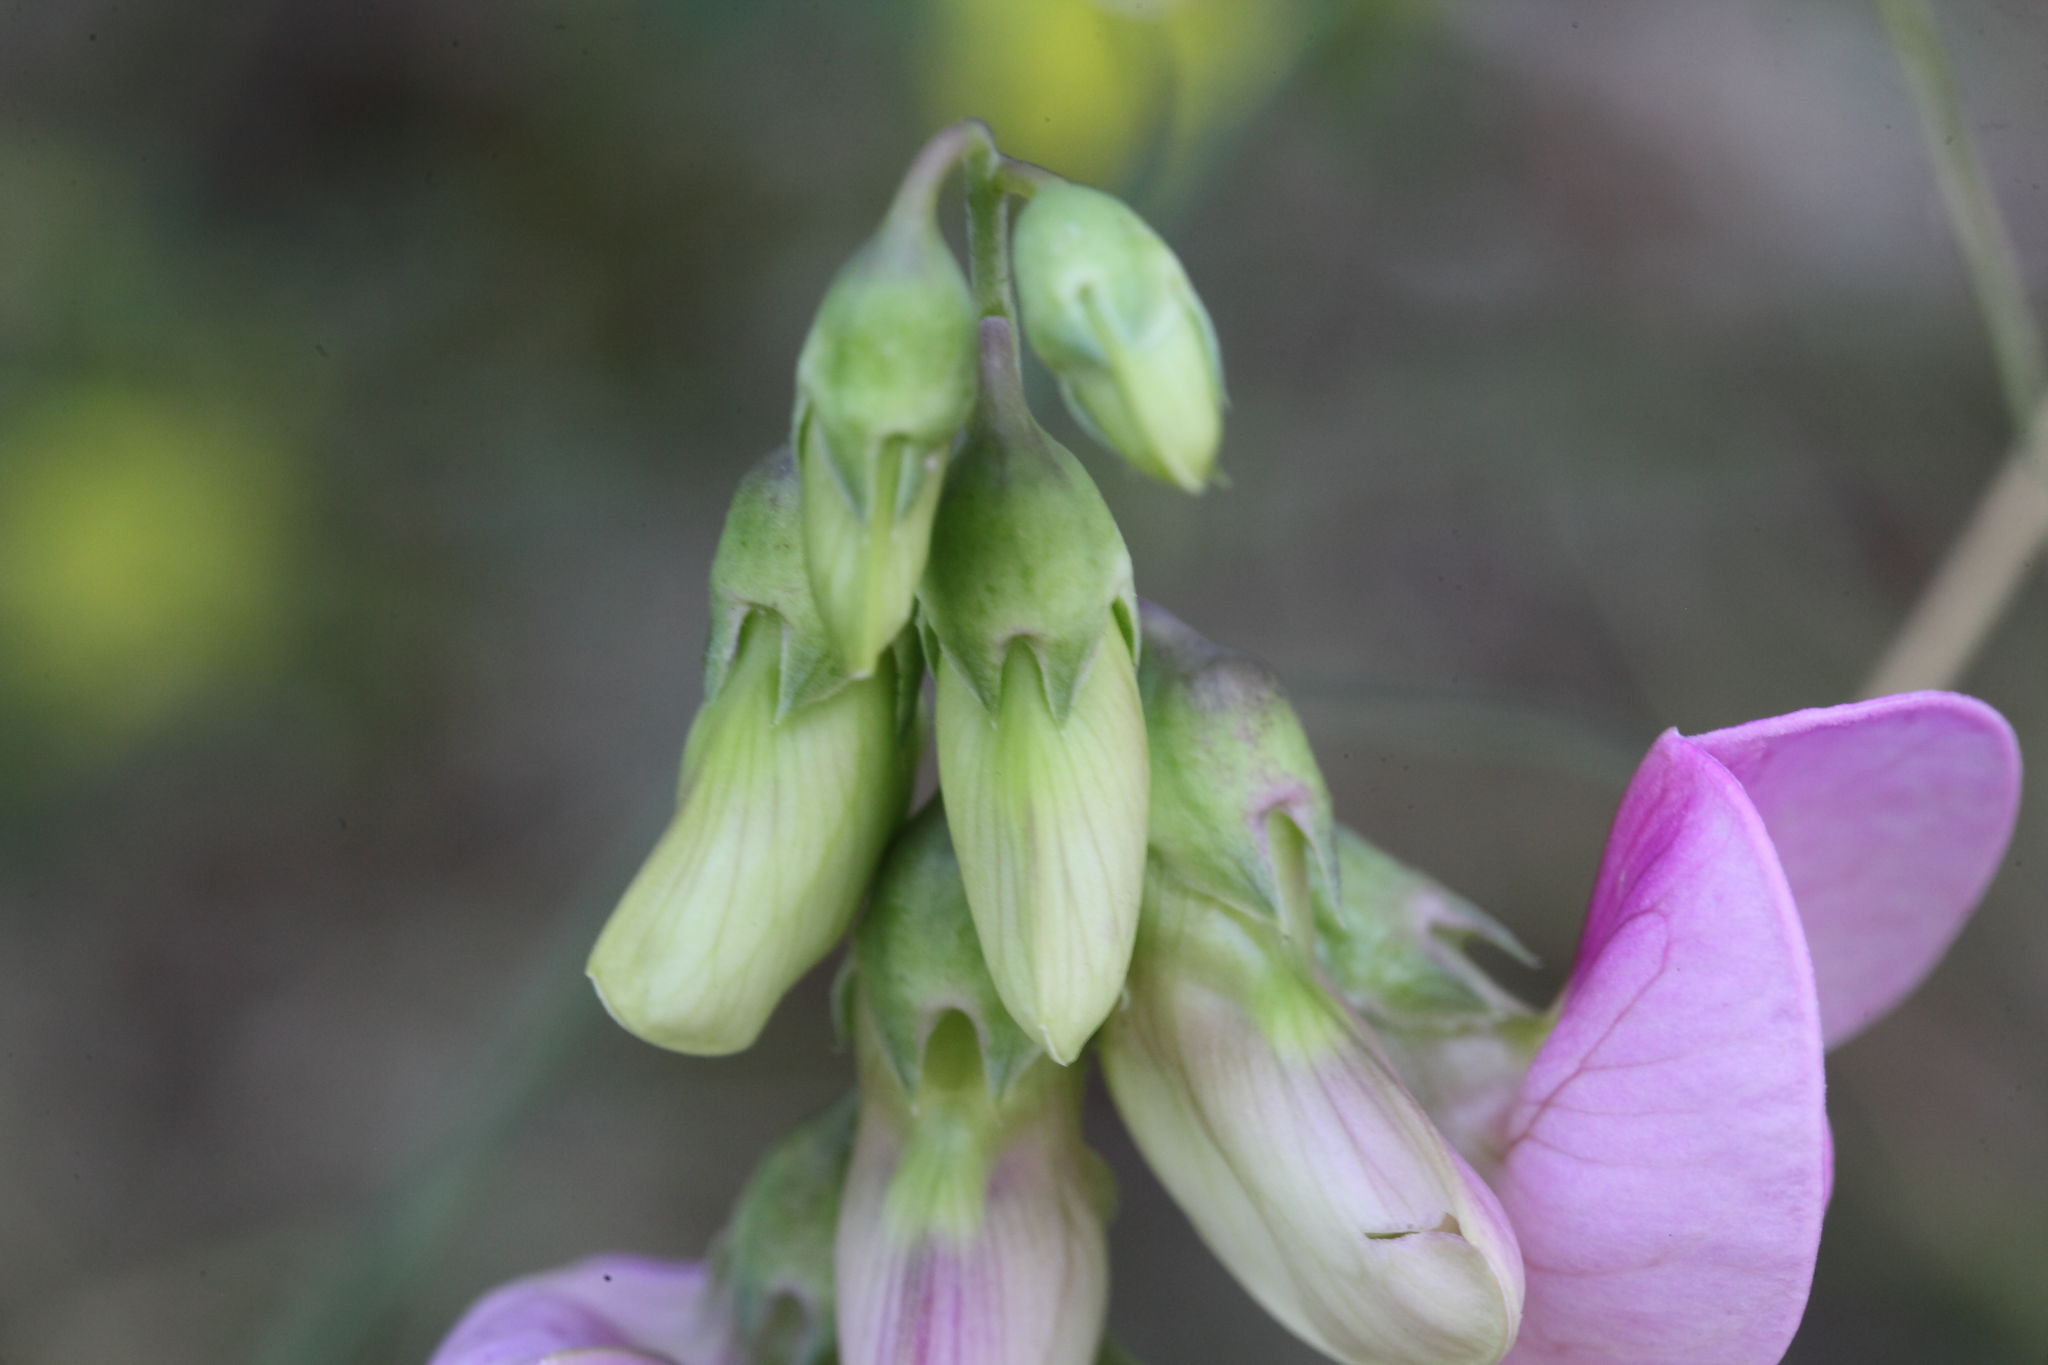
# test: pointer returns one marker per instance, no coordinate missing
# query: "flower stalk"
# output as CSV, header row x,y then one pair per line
x,y
2001,542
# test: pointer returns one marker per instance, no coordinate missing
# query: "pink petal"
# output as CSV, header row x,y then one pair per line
x,y
1667,1162
1890,817
607,1310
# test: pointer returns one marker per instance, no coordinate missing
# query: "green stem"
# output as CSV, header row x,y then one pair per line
x,y
992,179
344,1311
1981,235
988,228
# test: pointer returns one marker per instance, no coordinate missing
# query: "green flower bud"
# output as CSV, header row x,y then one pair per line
x,y
1041,736
1239,809
971,1229
1110,311
771,1272
885,381
793,779
1393,945
1270,1115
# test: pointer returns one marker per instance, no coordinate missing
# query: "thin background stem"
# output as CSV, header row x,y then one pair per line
x,y
1990,558
344,1311
1973,214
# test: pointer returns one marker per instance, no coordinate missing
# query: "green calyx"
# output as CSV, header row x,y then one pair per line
x,y
1239,809
918,964
772,1268
1024,551
759,570
1394,943
1394,948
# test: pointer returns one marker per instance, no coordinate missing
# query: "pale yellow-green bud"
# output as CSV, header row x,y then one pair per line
x,y
1109,310
1049,817
793,779
766,860
1028,608
1269,1113
885,381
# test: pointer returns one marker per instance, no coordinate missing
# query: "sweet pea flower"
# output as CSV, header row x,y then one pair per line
x,y
1767,891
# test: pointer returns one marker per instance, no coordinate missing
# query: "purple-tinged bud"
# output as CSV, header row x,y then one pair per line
x,y
1270,1115
1239,813
971,1228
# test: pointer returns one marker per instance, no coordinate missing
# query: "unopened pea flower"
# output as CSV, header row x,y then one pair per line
x,y
793,778
1109,310
1767,891
1270,1115
1266,1107
971,1231
1031,621
885,381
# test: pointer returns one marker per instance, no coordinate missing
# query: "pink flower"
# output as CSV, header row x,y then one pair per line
x,y
1767,891
607,1310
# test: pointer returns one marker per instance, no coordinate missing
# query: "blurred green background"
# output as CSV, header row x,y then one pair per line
x,y
373,375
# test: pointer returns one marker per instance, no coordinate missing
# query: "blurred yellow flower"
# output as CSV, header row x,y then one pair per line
x,y
142,557
1088,87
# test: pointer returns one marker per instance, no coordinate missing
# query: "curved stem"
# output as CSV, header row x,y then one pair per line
x,y
918,196
1977,581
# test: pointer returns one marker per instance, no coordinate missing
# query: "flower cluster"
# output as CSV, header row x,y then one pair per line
x,y
1133,856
